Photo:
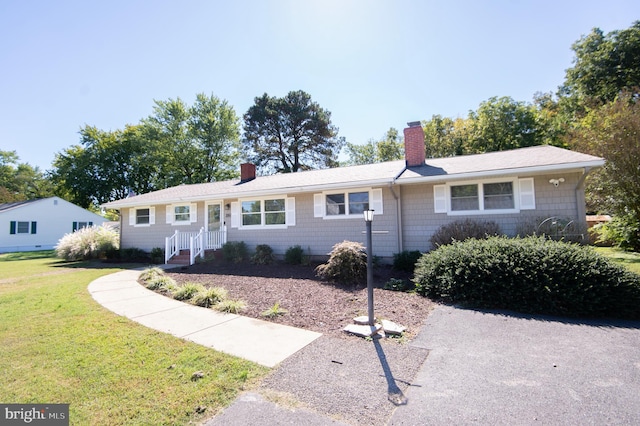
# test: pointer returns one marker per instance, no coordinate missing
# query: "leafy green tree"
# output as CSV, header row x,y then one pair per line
x,y
611,131
502,123
21,181
390,148
195,144
603,66
445,137
290,134
105,166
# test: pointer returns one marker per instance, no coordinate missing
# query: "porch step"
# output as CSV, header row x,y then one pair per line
x,y
181,259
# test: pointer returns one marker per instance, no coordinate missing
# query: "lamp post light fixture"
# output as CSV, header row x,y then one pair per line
x,y
368,219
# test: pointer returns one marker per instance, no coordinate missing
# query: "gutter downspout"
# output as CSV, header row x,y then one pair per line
x,y
580,198
398,210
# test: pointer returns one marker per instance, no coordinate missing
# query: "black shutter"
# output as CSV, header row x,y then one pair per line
x,y
12,227
75,227
33,227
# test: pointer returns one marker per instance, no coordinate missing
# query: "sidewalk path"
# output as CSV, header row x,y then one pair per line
x,y
262,342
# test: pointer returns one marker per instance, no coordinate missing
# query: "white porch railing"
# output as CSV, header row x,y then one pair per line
x,y
195,241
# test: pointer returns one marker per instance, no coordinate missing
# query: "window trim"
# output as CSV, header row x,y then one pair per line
x,y
522,187
133,217
171,214
289,212
320,203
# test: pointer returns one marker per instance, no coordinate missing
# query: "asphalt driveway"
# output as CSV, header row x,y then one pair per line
x,y
482,368
504,368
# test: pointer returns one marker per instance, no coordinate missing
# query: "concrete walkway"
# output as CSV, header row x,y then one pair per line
x,y
262,342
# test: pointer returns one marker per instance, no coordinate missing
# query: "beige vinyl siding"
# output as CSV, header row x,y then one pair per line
x,y
152,236
319,235
420,221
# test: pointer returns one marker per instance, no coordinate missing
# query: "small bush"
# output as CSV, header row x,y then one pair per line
x,y
231,306
133,255
263,255
274,311
234,251
162,283
461,230
150,274
294,255
208,297
531,275
157,255
396,284
406,260
88,243
187,291
347,263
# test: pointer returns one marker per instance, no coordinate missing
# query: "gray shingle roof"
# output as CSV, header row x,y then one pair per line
x,y
524,160
539,158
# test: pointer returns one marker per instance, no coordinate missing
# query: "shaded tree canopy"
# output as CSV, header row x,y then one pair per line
x,y
21,181
612,132
603,66
290,134
176,144
390,148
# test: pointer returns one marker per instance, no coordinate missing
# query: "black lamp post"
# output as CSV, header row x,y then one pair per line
x,y
368,219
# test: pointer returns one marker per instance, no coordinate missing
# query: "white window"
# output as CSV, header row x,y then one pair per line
x,y
343,204
142,216
21,227
272,212
491,196
182,214
80,225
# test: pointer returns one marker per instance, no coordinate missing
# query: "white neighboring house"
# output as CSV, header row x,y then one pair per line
x,y
39,224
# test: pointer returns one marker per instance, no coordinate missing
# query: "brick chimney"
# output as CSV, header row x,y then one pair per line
x,y
247,172
414,152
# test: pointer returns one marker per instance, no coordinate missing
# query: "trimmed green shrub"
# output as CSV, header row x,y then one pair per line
x,y
530,275
157,255
234,251
461,230
88,243
406,260
263,255
208,297
347,263
188,291
294,255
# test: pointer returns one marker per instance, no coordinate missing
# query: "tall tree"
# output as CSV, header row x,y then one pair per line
x,y
612,132
106,165
445,137
198,143
290,134
603,66
21,181
502,123
390,148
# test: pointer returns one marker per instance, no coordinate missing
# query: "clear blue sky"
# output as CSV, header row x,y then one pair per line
x,y
374,64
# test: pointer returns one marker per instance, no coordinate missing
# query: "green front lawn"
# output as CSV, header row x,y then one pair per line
x,y
630,260
60,346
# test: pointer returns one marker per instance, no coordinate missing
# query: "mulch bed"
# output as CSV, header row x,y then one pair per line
x,y
311,303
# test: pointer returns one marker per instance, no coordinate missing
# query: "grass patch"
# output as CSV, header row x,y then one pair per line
x,y
630,260
60,346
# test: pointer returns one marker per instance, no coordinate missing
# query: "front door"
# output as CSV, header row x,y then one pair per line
x,y
214,217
